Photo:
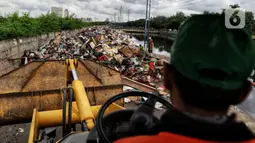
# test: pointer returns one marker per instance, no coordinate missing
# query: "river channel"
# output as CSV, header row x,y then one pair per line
x,y
162,45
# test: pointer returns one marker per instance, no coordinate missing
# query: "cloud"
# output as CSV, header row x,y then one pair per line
x,y
102,9
3,4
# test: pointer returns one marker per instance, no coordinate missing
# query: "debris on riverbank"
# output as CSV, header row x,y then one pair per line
x,y
105,46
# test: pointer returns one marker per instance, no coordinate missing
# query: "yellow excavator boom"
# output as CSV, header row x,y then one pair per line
x,y
82,111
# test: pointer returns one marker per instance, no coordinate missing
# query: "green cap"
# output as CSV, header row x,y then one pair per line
x,y
208,52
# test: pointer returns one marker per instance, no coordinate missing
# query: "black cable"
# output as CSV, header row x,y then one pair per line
x,y
141,12
84,126
190,3
70,111
64,114
132,4
100,115
74,127
183,3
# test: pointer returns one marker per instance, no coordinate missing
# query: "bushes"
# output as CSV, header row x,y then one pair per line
x,y
14,26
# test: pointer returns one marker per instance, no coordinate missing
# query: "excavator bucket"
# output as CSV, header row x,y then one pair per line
x,y
38,85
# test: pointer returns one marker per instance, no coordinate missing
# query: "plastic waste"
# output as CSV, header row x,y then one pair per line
x,y
105,46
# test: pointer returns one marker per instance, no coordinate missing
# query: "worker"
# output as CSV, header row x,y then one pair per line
x,y
151,45
207,73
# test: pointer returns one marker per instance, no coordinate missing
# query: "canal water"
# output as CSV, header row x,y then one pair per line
x,y
162,45
248,105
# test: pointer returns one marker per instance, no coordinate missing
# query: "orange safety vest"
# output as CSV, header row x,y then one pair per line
x,y
165,137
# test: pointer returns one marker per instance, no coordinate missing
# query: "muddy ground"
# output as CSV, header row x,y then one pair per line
x,y
15,133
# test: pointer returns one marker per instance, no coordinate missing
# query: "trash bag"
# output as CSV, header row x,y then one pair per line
x,y
119,58
109,51
134,60
146,68
127,52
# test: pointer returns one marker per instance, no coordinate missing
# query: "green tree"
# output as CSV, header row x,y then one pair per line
x,y
206,12
14,26
234,6
249,20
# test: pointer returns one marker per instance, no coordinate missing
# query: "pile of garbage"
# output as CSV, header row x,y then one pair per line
x,y
106,46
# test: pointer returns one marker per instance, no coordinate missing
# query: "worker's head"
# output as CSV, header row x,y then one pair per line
x,y
210,65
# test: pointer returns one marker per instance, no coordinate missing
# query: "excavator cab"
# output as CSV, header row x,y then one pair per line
x,y
78,121
120,123
76,109
82,103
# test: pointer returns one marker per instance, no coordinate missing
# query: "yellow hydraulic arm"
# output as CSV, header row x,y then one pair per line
x,y
81,97
82,112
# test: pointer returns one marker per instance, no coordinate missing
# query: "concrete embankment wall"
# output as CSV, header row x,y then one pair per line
x,y
12,50
165,35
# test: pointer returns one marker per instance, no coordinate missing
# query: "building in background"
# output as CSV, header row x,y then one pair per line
x,y
57,10
88,19
66,13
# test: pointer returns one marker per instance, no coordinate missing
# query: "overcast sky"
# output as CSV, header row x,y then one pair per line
x,y
102,9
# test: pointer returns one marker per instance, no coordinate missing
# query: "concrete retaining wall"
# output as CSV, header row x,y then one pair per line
x,y
12,50
70,33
